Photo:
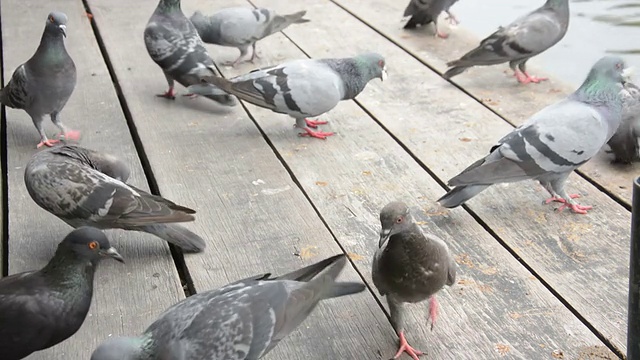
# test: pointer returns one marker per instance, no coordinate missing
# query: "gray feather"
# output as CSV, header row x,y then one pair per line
x,y
624,143
519,41
423,12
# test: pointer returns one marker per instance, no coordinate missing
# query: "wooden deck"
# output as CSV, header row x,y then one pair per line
x,y
532,283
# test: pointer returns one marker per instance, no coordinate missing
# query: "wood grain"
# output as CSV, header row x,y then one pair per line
x,y
127,297
494,86
446,131
252,214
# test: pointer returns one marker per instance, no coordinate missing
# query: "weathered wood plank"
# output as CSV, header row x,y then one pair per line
x,y
446,131
251,212
494,86
129,296
497,304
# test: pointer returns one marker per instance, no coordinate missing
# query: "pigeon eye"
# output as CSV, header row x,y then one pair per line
x,y
93,245
399,220
51,18
381,63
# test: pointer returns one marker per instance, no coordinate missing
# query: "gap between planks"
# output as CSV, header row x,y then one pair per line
x,y
176,253
4,191
585,176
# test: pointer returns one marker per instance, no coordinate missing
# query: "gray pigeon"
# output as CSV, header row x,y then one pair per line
x,y
39,309
173,43
424,12
87,188
42,85
242,27
521,40
409,267
303,88
624,143
553,142
243,320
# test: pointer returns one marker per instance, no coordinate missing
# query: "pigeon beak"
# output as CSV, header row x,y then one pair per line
x,y
385,234
63,30
112,253
384,74
627,73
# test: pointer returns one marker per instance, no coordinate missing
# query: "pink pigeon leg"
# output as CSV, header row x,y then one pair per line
x,y
433,310
47,142
169,94
314,123
578,209
535,79
561,200
405,347
315,134
522,78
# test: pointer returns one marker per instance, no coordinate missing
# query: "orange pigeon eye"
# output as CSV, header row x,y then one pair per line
x,y
51,18
93,245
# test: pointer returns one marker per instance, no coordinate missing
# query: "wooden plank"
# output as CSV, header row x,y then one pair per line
x,y
127,297
494,86
251,212
446,131
353,174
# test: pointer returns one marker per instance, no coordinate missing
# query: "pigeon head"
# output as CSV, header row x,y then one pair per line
x,y
57,23
165,5
91,244
119,348
372,64
395,218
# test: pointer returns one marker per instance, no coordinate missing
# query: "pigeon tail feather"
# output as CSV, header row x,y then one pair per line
x,y
177,235
460,194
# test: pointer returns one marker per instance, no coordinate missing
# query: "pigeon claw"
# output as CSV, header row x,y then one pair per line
x,y
525,78
578,209
561,200
48,142
314,123
315,134
169,94
405,347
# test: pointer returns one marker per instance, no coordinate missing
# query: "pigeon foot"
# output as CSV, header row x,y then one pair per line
x,y
47,142
315,134
170,94
578,209
561,200
441,35
314,123
405,347
69,135
433,310
525,78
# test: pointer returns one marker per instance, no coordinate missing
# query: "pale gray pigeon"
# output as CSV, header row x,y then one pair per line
x,y
243,320
173,43
409,267
242,27
424,12
519,41
553,142
39,309
42,85
83,187
303,88
624,143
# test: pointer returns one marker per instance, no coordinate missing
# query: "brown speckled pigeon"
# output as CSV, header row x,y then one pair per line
x,y
409,267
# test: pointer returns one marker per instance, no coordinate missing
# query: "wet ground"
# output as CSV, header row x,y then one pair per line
x,y
597,27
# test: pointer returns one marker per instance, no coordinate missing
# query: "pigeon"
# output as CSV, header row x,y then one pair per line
x,y
409,267
42,85
519,41
243,320
173,43
553,142
242,27
86,188
39,309
624,143
303,88
424,12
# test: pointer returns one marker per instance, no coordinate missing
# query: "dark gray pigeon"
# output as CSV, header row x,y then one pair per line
x,y
303,88
173,43
409,267
242,27
624,143
553,142
424,12
42,85
39,309
243,320
519,41
87,188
